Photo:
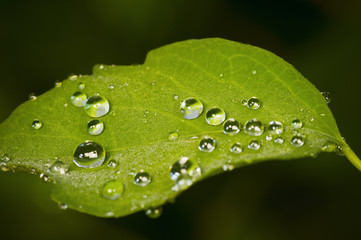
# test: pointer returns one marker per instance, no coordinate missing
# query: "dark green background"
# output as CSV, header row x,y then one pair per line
x,y
315,198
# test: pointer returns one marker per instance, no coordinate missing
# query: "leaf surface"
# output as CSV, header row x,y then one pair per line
x,y
145,130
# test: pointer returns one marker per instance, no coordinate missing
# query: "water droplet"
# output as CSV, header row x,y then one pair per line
x,y
254,127
58,84
275,127
101,67
221,75
215,116
112,163
97,106
253,103
227,167
95,127
296,123
191,108
113,189
89,155
297,141
268,137
5,157
44,177
322,114
78,99
244,102
37,124
254,72
329,147
142,179
236,148
81,86
63,206
173,136
59,167
111,86
65,105
231,127
154,212
32,97
312,119
207,144
327,96
175,97
73,77
254,144
279,140
184,172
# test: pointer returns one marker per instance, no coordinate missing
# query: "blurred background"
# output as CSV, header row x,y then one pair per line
x,y
313,198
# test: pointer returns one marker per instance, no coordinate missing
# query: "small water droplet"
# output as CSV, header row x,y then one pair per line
x,y
207,144
244,102
215,116
81,86
73,77
44,177
254,144
221,75
279,140
327,96
312,119
173,136
191,108
275,127
175,97
58,84
268,137
95,127
5,157
96,106
236,148
37,124
254,72
89,154
111,86
142,179
32,97
101,67
322,114
296,123
254,127
112,163
65,105
227,167
59,167
113,189
253,103
63,206
154,212
78,99
329,147
231,127
297,141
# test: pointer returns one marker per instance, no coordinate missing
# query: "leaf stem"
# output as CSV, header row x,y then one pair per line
x,y
351,156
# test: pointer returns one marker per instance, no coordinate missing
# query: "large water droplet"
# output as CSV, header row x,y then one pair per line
x,y
297,141
97,106
215,116
142,179
253,103
236,148
59,167
327,96
207,144
89,155
254,127
191,108
173,136
184,172
37,124
231,127
78,99
95,127
113,189
254,144
296,123
275,127
154,212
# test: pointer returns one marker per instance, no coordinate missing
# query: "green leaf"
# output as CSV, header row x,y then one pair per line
x,y
146,131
